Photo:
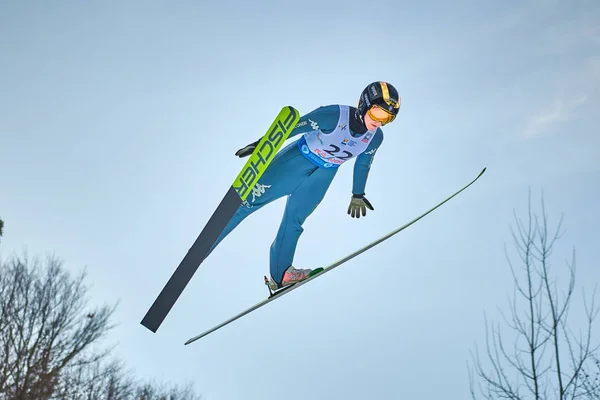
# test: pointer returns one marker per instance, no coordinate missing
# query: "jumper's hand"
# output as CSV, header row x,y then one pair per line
x,y
358,205
247,150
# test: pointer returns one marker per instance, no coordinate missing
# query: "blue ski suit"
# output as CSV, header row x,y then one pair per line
x,y
304,169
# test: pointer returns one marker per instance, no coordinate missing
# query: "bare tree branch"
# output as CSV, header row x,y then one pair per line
x,y
48,338
554,361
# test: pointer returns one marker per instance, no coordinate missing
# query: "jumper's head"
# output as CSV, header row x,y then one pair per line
x,y
378,104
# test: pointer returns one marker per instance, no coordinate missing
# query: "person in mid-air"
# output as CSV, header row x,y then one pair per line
x,y
304,170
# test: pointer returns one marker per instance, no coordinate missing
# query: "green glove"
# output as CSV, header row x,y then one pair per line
x,y
358,205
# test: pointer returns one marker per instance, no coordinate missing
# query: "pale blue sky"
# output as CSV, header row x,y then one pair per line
x,y
118,124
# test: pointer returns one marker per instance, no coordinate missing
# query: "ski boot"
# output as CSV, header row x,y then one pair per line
x,y
291,277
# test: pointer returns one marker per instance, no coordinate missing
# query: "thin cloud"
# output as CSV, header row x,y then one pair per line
x,y
572,82
577,95
560,111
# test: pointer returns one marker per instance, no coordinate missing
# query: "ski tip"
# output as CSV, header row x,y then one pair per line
x,y
289,110
482,171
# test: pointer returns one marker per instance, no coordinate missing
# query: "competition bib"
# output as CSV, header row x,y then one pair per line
x,y
333,149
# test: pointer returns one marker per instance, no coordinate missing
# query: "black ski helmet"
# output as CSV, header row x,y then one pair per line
x,y
382,94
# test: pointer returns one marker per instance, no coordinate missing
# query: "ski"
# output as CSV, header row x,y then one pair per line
x,y
320,271
256,165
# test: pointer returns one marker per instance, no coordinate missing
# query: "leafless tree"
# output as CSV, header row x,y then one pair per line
x,y
547,360
156,391
100,380
109,380
591,379
44,326
1,228
49,338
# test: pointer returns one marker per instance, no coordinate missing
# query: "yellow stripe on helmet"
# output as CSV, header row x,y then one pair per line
x,y
386,96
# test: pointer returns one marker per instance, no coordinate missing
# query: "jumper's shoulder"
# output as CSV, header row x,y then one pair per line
x,y
324,118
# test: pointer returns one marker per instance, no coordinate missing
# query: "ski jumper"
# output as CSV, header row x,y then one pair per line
x,y
304,170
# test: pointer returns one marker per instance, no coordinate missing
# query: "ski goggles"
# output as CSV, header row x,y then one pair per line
x,y
379,114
